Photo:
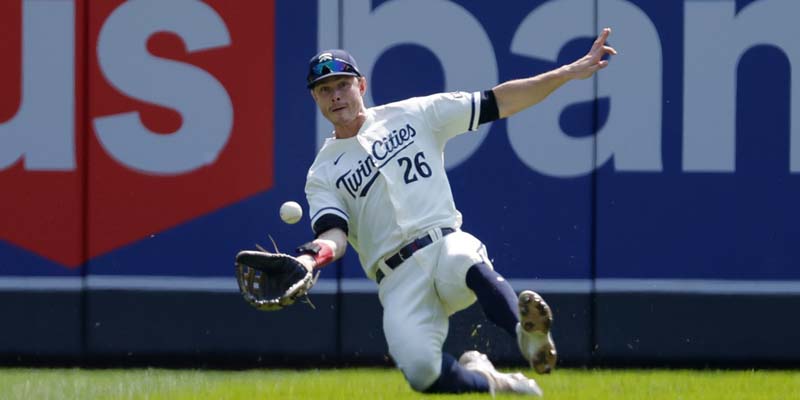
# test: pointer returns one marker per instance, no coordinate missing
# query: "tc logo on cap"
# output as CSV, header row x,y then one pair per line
x,y
324,57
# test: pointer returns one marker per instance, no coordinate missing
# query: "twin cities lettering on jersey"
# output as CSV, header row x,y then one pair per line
x,y
359,180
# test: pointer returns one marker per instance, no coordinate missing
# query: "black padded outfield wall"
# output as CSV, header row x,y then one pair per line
x,y
136,328
654,205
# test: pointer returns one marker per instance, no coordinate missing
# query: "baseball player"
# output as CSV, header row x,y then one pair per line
x,y
379,182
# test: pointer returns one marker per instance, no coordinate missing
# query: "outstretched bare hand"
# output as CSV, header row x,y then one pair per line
x,y
593,61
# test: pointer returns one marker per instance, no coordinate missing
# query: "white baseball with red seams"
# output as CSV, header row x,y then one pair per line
x,y
291,212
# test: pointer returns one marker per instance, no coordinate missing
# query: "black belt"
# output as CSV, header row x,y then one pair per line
x,y
407,251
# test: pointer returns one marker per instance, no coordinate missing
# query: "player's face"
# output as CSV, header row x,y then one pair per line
x,y
339,98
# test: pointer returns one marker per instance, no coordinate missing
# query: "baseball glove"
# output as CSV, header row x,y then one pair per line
x,y
272,281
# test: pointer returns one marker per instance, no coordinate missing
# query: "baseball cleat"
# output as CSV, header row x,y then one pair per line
x,y
533,332
498,381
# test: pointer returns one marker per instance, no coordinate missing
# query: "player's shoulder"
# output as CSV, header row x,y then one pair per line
x,y
324,154
329,152
423,101
411,104
318,169
394,106
456,96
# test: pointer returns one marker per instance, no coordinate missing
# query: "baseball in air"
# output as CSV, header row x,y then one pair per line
x,y
291,212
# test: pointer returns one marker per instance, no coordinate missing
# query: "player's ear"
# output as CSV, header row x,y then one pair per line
x,y
362,85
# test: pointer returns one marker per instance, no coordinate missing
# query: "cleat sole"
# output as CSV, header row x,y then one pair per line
x,y
536,317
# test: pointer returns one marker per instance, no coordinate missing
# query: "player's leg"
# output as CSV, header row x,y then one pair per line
x,y
455,378
527,318
415,325
466,273
458,253
495,295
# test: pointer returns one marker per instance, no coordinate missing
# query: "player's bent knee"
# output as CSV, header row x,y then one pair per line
x,y
421,372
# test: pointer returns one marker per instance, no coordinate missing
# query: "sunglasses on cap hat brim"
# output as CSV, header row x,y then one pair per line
x,y
330,67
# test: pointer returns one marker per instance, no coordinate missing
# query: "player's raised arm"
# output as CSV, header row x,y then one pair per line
x,y
516,95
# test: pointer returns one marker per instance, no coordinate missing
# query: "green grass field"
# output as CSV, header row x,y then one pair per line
x,y
155,384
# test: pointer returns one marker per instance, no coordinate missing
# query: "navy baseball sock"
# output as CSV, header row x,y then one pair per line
x,y
457,379
496,297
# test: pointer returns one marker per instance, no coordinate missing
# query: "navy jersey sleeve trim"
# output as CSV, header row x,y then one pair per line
x,y
329,209
489,110
472,123
328,222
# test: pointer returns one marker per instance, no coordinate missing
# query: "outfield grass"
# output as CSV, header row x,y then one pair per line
x,y
157,384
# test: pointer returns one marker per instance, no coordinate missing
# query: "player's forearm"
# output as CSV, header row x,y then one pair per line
x,y
337,239
516,95
333,241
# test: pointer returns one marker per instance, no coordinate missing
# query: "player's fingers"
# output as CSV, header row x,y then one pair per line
x,y
601,39
609,50
596,67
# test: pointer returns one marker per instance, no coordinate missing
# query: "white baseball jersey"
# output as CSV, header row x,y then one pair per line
x,y
389,182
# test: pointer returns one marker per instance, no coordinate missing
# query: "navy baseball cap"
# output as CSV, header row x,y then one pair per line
x,y
330,63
